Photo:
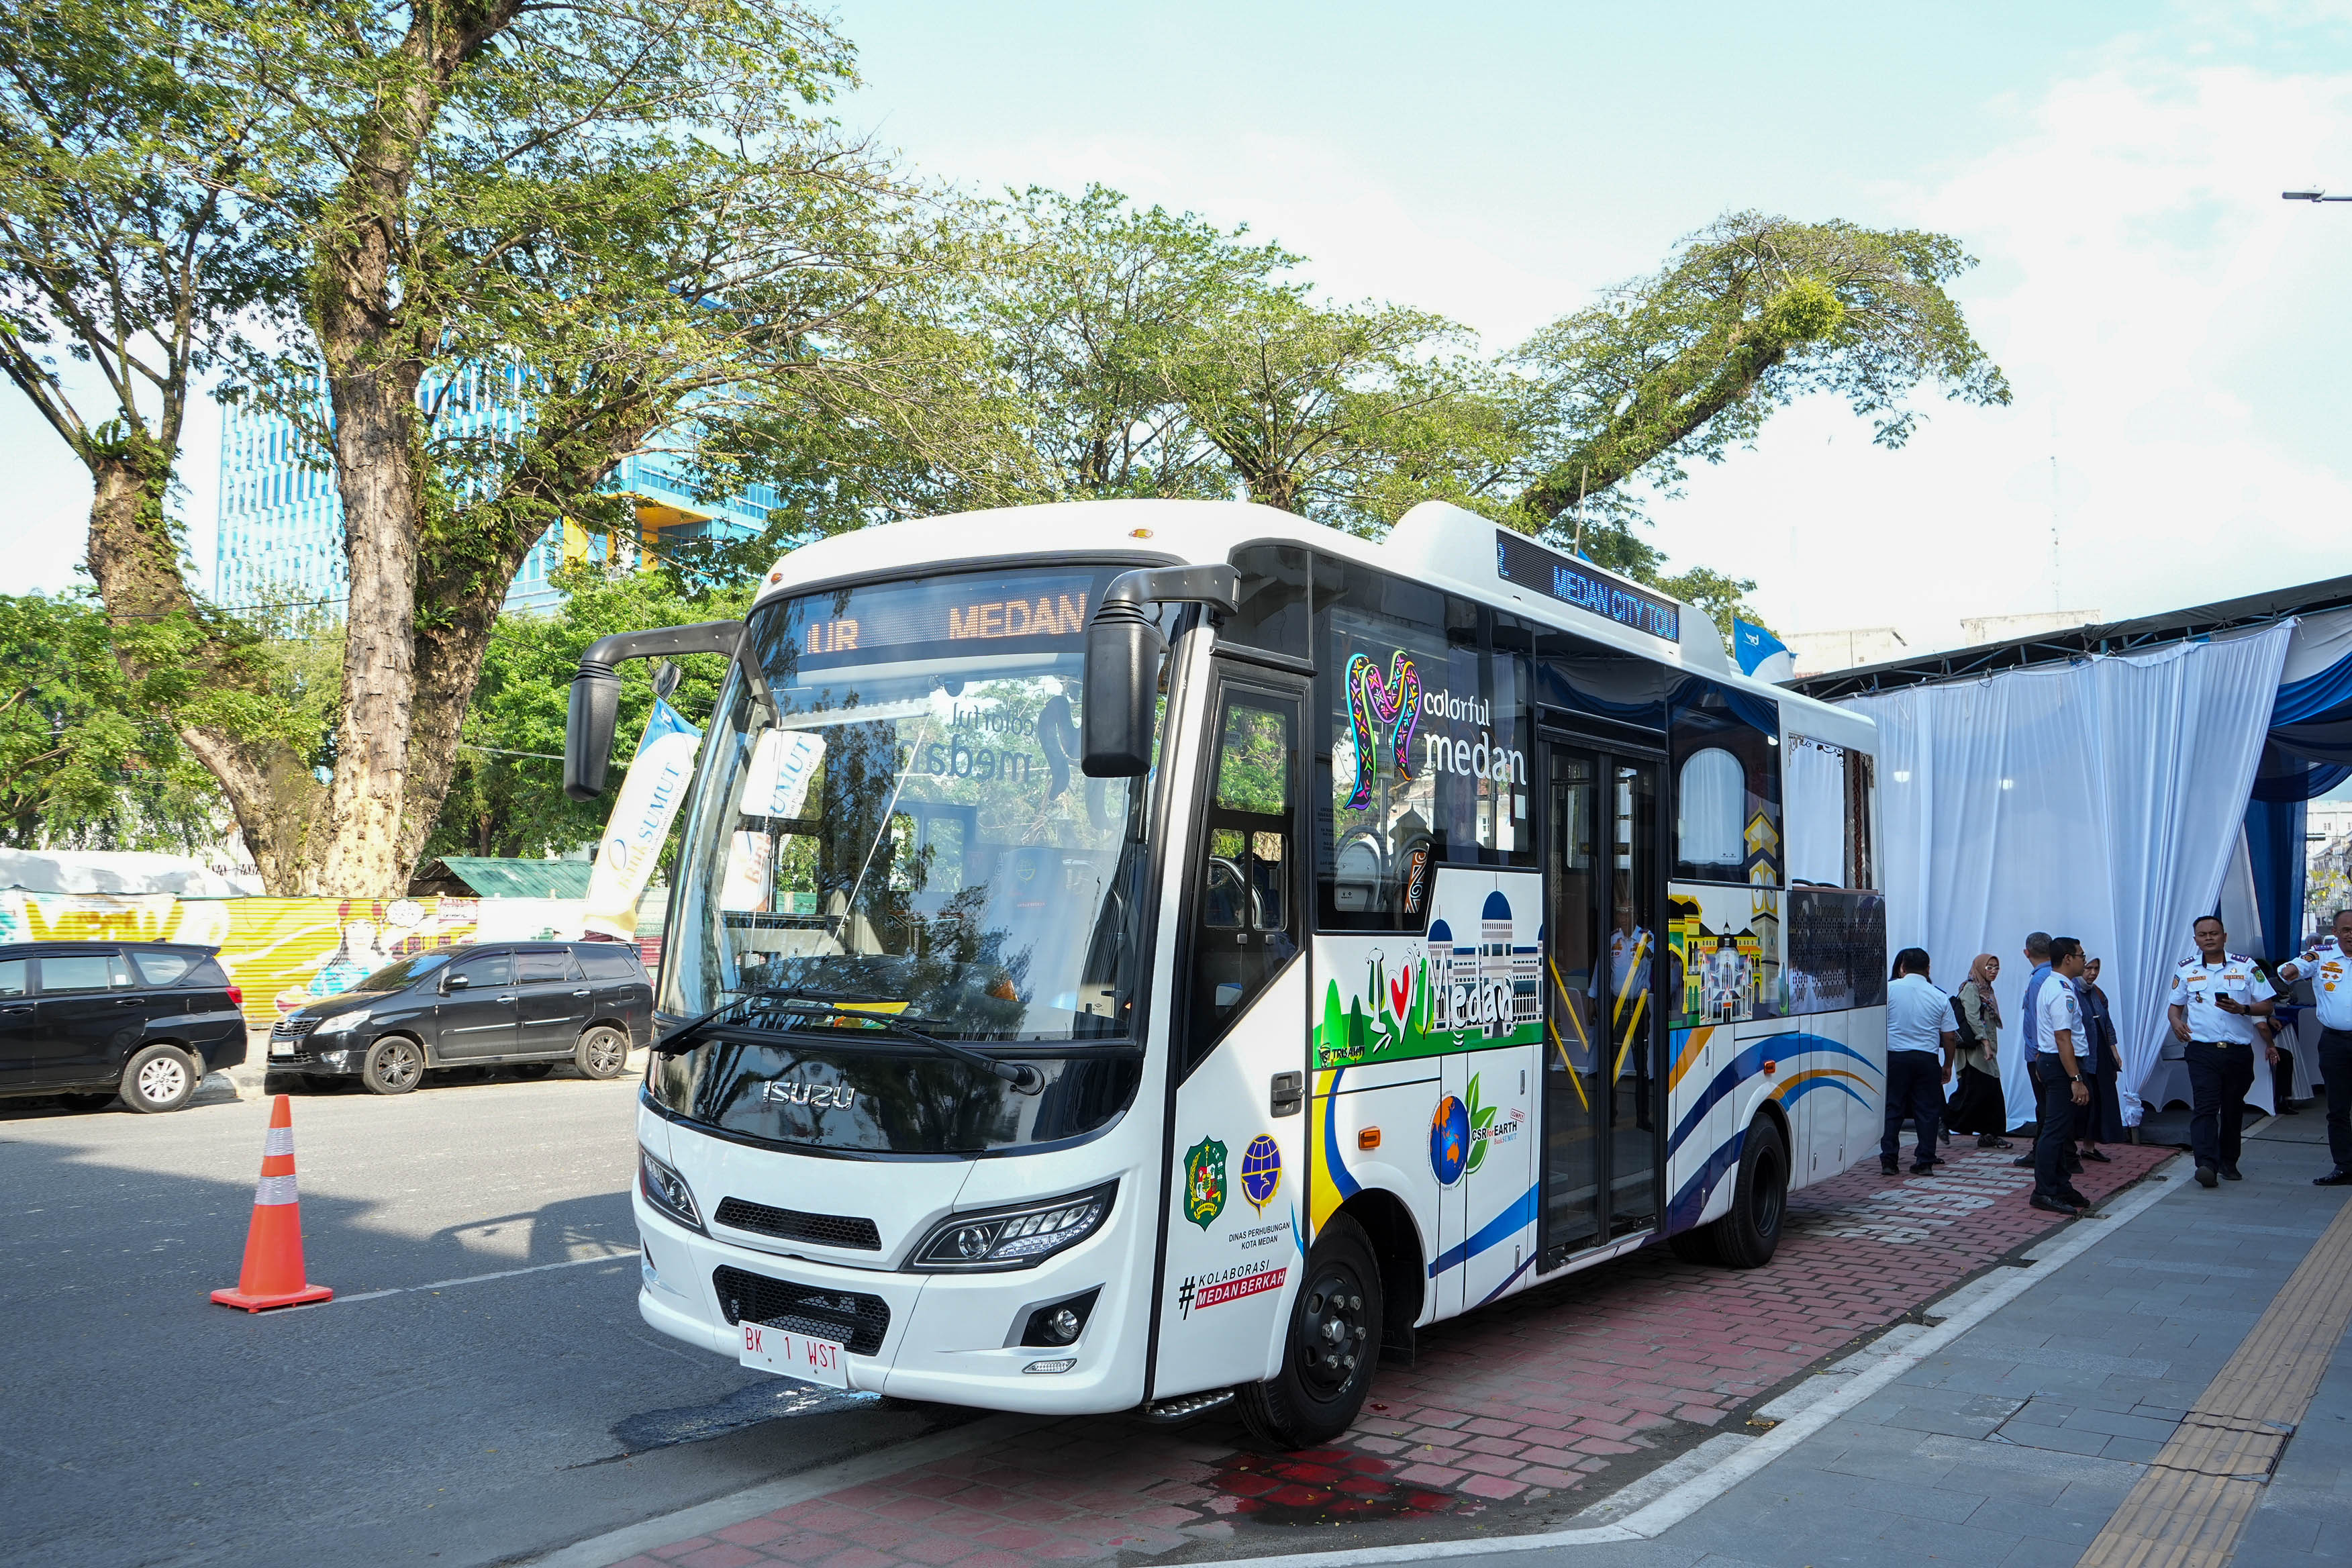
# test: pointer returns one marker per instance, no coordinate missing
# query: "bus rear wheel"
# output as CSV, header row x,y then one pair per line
x,y
1330,1348
1749,1236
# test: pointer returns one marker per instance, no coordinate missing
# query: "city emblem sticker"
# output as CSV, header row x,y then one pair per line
x,y
1261,1171
1449,1141
1205,1182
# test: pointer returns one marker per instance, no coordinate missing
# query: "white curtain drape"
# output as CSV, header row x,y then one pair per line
x,y
2100,800
1713,801
1812,811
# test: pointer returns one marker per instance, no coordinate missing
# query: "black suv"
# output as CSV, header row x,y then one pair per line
x,y
529,1004
93,1019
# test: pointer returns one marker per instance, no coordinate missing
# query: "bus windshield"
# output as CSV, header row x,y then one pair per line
x,y
891,816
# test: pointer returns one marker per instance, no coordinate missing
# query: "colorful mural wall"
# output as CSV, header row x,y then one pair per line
x,y
284,952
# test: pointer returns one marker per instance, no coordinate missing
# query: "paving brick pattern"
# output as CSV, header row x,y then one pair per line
x,y
1548,1393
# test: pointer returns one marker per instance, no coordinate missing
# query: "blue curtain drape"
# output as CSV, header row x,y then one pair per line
x,y
2307,752
2274,844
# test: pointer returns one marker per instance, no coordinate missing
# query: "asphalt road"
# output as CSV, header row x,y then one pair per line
x,y
474,1423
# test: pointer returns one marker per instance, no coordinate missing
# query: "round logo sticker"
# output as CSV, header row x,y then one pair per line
x,y
1449,1141
1261,1171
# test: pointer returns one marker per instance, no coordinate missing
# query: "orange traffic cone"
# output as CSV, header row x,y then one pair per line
x,y
273,1247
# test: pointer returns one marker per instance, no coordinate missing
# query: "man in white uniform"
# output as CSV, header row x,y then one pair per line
x,y
1920,1045
2216,997
2328,967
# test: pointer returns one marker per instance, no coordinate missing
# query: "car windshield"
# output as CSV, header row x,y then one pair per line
x,y
890,815
394,976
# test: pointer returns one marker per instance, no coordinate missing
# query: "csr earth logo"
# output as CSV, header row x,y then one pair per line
x,y
1205,1182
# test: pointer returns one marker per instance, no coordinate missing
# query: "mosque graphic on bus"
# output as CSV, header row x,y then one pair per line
x,y
1490,983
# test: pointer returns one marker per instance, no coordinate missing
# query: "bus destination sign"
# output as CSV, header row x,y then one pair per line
x,y
945,617
1520,560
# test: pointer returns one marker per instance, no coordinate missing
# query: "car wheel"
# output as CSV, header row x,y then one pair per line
x,y
1330,1349
395,1065
603,1052
160,1078
91,1101
531,1072
1749,1236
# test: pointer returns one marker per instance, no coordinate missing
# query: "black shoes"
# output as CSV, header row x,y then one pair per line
x,y
1990,1140
2332,1179
2077,1199
2207,1177
2052,1205
1889,1168
2023,1162
2096,1158
2230,1173
1924,1167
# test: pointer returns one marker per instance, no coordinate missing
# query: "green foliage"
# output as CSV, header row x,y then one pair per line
x,y
88,758
507,797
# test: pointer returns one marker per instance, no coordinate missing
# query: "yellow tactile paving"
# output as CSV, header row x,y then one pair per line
x,y
2198,1492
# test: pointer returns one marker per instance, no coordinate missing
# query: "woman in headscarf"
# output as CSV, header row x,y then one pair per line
x,y
1978,1105
2101,1121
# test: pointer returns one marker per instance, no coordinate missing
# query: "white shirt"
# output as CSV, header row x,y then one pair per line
x,y
2331,983
2195,985
2056,1008
1917,1015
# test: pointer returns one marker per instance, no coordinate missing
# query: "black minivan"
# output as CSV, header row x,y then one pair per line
x,y
523,1004
90,1020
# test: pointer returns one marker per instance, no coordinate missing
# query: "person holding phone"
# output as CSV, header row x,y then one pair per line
x,y
2216,996
2058,1085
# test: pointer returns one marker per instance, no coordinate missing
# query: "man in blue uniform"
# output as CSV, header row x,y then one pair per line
x,y
2329,966
2058,1082
2216,997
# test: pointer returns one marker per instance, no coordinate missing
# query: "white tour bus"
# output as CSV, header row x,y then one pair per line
x,y
1130,955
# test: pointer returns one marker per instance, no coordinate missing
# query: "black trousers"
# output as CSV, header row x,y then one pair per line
x,y
2335,1071
2219,1077
1915,1088
2053,1101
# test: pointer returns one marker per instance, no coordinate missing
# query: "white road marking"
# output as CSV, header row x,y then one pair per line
x,y
468,1280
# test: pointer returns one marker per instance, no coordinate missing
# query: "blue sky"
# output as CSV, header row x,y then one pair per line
x,y
2175,334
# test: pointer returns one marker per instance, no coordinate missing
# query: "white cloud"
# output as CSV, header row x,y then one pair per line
x,y
2174,335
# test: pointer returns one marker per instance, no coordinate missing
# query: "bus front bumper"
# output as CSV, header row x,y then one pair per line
x,y
951,1338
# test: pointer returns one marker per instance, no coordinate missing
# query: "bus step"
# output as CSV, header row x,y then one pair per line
x,y
1184,1406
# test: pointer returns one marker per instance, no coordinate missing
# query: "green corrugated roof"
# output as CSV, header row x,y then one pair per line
x,y
494,879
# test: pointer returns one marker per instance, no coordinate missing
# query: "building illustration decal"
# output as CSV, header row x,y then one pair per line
x,y
1468,983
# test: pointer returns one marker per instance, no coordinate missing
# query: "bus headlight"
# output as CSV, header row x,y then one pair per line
x,y
1014,1237
666,1190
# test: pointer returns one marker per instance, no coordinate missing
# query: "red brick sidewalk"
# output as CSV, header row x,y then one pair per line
x,y
1545,1393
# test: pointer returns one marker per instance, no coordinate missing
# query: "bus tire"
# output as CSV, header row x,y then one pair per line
x,y
1747,1236
1329,1346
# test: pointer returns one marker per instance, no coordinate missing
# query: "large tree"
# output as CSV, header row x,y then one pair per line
x,y
517,243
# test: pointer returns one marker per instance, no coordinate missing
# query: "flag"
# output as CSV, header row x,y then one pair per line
x,y
1760,654
649,798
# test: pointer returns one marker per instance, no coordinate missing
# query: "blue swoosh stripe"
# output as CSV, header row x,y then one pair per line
x,y
1749,1062
1337,1168
1501,1228
1811,1084
1691,1201
1525,1264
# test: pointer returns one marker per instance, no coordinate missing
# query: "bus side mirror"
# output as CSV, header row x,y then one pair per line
x,y
1124,649
595,704
1123,654
588,730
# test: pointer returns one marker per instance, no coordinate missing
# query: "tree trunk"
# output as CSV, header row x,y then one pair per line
x,y
136,564
376,453
449,655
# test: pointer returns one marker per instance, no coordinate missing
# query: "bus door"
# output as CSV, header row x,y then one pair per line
x,y
1238,1165
1603,1101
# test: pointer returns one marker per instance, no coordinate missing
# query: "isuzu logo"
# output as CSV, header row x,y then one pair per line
x,y
819,1095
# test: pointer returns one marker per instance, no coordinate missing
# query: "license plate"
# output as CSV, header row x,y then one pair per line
x,y
789,1355
281,1047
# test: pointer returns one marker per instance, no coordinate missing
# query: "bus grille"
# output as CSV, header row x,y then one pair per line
x,y
851,1317
791,1225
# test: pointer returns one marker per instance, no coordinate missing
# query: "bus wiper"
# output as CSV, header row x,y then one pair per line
x,y
687,1036
1025,1079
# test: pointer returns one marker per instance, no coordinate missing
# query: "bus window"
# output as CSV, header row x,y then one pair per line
x,y
1827,815
1273,618
1726,750
1244,930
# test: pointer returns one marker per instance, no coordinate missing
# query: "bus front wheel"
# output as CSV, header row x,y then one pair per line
x,y
1330,1348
